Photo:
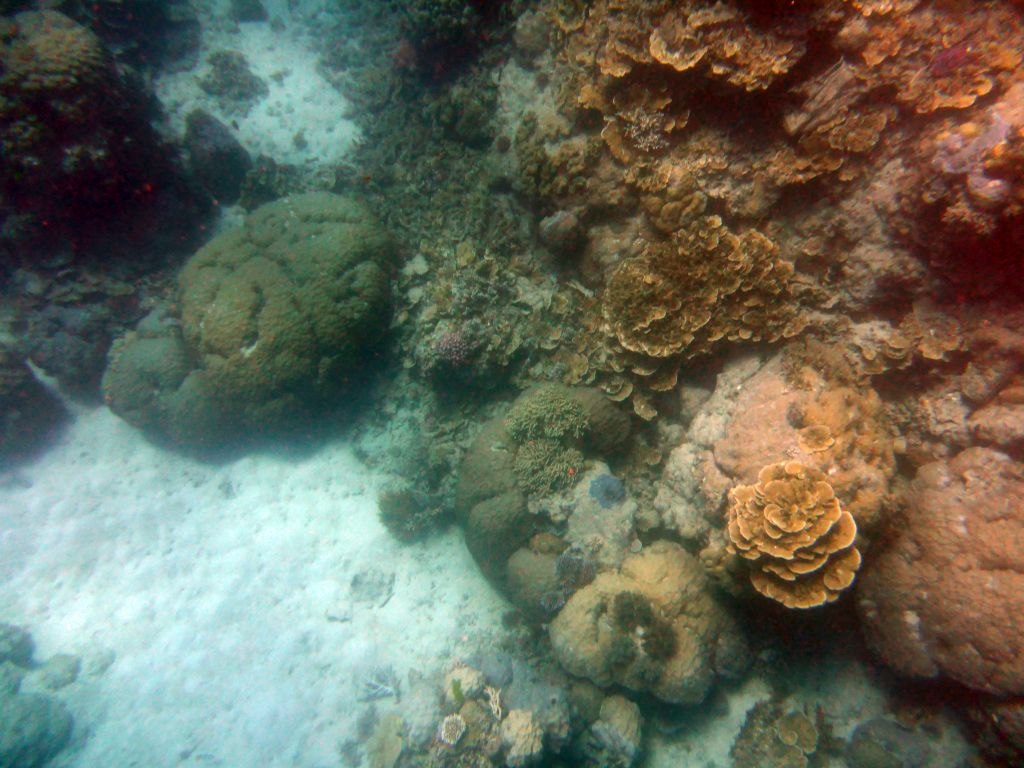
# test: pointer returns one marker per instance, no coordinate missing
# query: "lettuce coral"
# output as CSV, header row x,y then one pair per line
x,y
798,538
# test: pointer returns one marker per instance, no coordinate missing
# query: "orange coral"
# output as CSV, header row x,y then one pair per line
x,y
937,59
721,38
800,541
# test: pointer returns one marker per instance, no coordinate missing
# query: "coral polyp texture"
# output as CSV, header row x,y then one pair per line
x,y
800,541
944,597
52,54
277,318
651,626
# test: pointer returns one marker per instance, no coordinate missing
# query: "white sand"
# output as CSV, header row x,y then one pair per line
x,y
301,100
215,593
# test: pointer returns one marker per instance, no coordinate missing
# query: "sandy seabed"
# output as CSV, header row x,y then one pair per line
x,y
225,615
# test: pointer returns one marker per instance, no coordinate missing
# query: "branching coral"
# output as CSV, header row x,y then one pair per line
x,y
542,466
548,412
799,539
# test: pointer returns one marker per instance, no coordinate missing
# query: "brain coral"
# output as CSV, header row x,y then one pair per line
x,y
945,595
277,317
652,626
796,535
53,54
281,311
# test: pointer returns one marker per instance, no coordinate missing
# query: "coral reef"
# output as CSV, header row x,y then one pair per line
x,y
30,415
796,535
277,317
550,412
408,514
34,727
709,284
773,736
500,473
651,626
841,431
217,159
79,155
232,82
942,596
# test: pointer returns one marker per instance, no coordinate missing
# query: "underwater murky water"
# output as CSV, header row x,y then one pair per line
x,y
511,382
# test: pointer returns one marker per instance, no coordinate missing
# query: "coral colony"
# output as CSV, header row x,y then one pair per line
x,y
515,380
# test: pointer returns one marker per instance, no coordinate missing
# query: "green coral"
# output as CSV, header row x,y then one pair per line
x,y
279,319
550,413
544,466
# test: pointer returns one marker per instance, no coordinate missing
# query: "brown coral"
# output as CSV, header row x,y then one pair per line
x,y
51,53
721,38
791,526
945,595
770,737
938,59
707,285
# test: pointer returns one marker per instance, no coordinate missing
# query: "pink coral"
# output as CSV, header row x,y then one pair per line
x,y
946,595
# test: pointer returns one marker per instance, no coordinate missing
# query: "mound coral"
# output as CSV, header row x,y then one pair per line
x,y
77,151
499,471
651,626
52,54
277,317
796,535
945,595
281,311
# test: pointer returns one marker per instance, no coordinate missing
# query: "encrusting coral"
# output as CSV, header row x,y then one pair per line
x,y
800,541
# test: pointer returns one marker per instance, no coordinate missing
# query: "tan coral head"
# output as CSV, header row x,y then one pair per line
x,y
799,540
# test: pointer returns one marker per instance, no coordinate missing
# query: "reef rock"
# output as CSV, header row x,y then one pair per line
x,y
945,595
839,430
29,413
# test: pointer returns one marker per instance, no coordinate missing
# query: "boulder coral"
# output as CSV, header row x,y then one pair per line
x,y
840,430
77,148
276,318
650,626
534,449
795,533
944,596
